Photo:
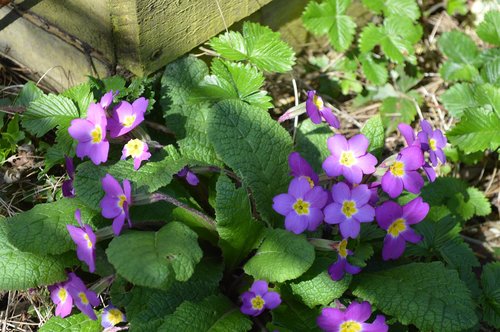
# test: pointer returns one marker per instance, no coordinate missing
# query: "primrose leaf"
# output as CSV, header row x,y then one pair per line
x,y
311,142
374,131
489,29
74,323
375,72
419,294
156,259
462,54
255,147
293,316
257,44
281,256
329,17
490,279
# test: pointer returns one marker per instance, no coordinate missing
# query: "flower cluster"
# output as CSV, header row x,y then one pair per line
x,y
259,298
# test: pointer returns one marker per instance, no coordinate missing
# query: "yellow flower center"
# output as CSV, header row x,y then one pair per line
x,y
301,207
397,227
350,326
62,294
89,243
311,182
121,201
96,134
343,248
432,144
349,208
347,158
128,121
318,101
134,148
258,303
397,169
115,316
83,298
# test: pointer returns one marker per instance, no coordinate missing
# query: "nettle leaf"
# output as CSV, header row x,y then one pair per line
x,y
419,294
258,45
156,259
374,131
74,323
48,112
255,147
42,230
329,18
281,256
462,55
239,233
476,131
215,313
405,8
489,29
22,270
375,71
490,279
30,92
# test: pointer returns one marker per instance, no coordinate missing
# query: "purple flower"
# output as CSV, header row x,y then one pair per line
x,y
301,206
91,135
349,208
191,178
259,298
112,316
349,158
316,110
127,116
409,136
84,298
116,202
60,296
403,173
138,150
67,187
432,141
337,269
396,220
300,168
85,240
107,99
351,320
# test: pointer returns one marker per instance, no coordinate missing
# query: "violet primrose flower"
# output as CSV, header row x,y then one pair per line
x,y
107,99
338,269
301,206
116,201
91,135
403,173
432,141
67,187
349,208
316,110
84,298
396,220
112,316
258,298
138,150
409,136
300,168
60,296
127,116
349,158
351,319
84,239
191,178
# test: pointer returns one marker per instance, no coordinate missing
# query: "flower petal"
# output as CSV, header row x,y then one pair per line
x,y
272,300
118,223
99,152
330,319
407,132
426,127
311,108
111,186
350,228
353,174
336,270
411,236
359,312
295,223
299,187
412,157
317,196
393,247
315,218
387,213
413,182
358,144
80,130
330,118
392,185
283,203
332,166
415,211
341,192
366,213
259,287
378,325
367,163
337,144
361,194
333,214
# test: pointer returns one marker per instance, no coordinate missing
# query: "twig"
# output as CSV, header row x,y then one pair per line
x,y
296,120
479,243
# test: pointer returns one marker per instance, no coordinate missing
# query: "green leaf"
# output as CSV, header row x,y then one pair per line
x,y
491,72
64,146
30,92
81,95
399,8
42,230
374,131
22,270
281,256
462,55
292,315
395,110
311,142
490,279
259,45
489,29
156,259
477,130
214,314
375,72
48,112
74,323
419,294
329,18
255,147
239,233
456,7
458,98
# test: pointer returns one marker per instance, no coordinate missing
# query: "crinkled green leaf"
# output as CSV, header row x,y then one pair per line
x,y
489,29
374,131
427,295
255,147
74,323
311,142
281,256
292,315
156,259
215,314
490,280
375,72
257,44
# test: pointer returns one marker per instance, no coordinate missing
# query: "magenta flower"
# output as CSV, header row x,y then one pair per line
x,y
116,202
316,110
112,316
432,141
301,206
338,269
84,239
91,135
396,220
67,187
403,173
349,208
127,116
349,158
300,168
351,320
61,297
84,298
258,298
138,150
409,136
191,178
107,99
